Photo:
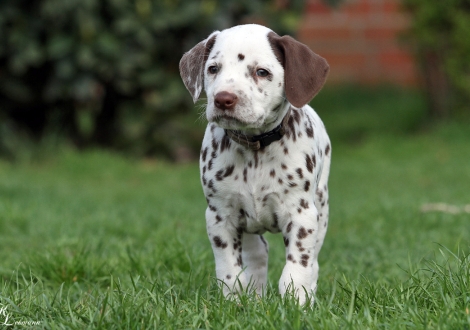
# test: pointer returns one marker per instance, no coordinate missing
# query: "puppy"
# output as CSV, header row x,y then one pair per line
x,y
265,156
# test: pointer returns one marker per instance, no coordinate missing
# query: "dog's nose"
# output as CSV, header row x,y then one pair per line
x,y
225,100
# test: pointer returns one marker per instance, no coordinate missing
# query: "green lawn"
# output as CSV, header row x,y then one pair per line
x,y
94,240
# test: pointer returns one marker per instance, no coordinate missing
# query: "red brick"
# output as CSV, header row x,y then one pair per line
x,y
394,58
360,7
381,33
391,6
349,46
334,20
360,40
354,60
390,20
317,7
336,32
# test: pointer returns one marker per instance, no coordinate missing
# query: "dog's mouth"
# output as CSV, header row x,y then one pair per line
x,y
230,122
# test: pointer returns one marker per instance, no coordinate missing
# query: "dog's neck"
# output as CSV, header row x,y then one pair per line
x,y
260,141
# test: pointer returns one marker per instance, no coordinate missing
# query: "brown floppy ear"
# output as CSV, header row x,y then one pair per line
x,y
304,71
192,65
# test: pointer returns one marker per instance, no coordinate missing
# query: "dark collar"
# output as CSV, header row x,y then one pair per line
x,y
258,142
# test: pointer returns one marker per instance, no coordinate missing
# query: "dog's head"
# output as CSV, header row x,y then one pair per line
x,y
248,72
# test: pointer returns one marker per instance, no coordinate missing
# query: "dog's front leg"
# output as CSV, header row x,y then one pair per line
x,y
226,241
300,235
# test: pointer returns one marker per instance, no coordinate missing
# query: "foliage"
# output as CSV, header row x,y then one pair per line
x,y
440,30
106,72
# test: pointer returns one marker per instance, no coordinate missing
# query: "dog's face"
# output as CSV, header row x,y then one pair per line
x,y
242,68
248,73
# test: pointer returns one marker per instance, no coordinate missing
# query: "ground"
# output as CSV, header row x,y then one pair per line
x,y
95,240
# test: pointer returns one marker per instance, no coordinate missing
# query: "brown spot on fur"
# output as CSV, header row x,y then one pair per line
x,y
204,154
204,180
291,131
275,221
215,145
304,260
319,193
304,203
218,175
302,233
225,144
299,246
307,185
211,186
239,260
309,130
229,170
289,227
219,243
241,57
296,115
309,163
272,173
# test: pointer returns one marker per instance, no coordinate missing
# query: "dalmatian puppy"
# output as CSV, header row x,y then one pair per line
x,y
265,156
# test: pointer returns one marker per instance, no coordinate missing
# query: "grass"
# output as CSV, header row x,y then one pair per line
x,y
95,240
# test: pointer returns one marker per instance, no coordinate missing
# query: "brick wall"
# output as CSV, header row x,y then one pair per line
x,y
360,40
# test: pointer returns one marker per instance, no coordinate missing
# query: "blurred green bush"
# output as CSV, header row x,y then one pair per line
x,y
441,32
105,73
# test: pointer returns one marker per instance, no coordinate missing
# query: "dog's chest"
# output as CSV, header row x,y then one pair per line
x,y
257,190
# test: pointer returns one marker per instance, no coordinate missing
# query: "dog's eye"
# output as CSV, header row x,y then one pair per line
x,y
213,69
262,73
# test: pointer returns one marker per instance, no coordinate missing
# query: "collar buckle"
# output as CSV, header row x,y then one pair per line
x,y
267,138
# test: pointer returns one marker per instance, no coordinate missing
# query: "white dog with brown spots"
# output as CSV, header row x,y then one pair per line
x,y
265,156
